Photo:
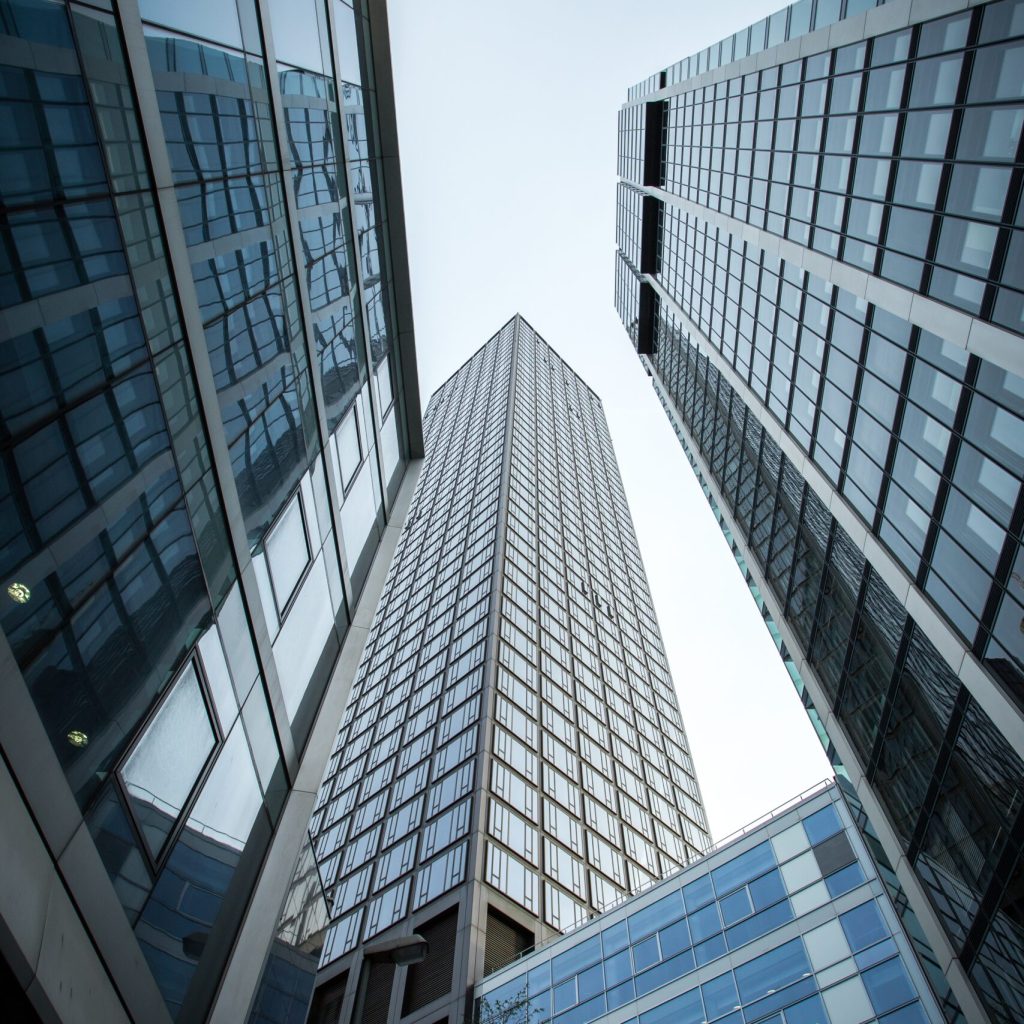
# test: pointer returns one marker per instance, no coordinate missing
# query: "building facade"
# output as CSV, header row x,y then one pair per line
x,y
513,759
209,429
819,240
789,921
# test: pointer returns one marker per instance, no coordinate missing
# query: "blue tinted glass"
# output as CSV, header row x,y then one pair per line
x,y
657,915
674,938
767,889
698,893
736,906
621,994
778,999
564,995
574,960
684,1009
539,1007
720,995
821,825
590,982
618,967
704,923
810,1011
646,953
912,1014
863,926
539,978
587,1011
666,971
710,950
844,880
759,924
876,954
774,969
888,985
615,938
744,867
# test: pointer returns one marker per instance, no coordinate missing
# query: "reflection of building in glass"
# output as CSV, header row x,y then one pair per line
x,y
819,252
512,760
208,414
789,920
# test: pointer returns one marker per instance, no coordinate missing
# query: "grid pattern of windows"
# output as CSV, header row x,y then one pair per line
x,y
632,135
913,725
850,963
531,673
789,23
899,155
894,155
586,717
395,807
922,440
233,214
627,295
171,646
629,222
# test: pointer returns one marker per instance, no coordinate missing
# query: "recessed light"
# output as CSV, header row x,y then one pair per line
x,y
77,738
19,592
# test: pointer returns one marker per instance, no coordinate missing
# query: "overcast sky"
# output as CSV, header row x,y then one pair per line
x,y
507,126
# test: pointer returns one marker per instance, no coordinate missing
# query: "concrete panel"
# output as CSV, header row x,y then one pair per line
x,y
1004,348
946,322
888,18
69,971
99,905
25,881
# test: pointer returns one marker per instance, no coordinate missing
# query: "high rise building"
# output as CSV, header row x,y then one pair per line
x,y
513,758
209,429
788,917
819,263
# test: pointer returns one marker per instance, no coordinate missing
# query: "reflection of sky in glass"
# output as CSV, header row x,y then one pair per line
x,y
209,19
163,768
230,799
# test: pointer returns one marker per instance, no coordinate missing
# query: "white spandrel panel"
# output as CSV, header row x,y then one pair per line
x,y
303,635
389,449
358,513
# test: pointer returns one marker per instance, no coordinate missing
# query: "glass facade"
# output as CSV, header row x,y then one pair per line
x,y
513,751
831,948
807,220
204,430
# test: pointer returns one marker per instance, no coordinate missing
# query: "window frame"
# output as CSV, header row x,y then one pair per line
x,y
156,862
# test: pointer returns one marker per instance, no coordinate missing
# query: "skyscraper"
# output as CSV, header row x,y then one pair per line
x,y
513,759
819,244
208,415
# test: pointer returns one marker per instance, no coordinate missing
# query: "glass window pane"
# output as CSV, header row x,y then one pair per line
x,y
168,759
287,552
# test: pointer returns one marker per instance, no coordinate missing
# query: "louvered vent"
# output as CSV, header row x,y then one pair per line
x,y
432,978
327,999
378,993
505,941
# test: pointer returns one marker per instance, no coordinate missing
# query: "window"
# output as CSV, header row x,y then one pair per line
x,y
350,448
161,772
287,550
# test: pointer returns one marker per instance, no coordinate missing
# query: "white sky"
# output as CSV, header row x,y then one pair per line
x,y
507,126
